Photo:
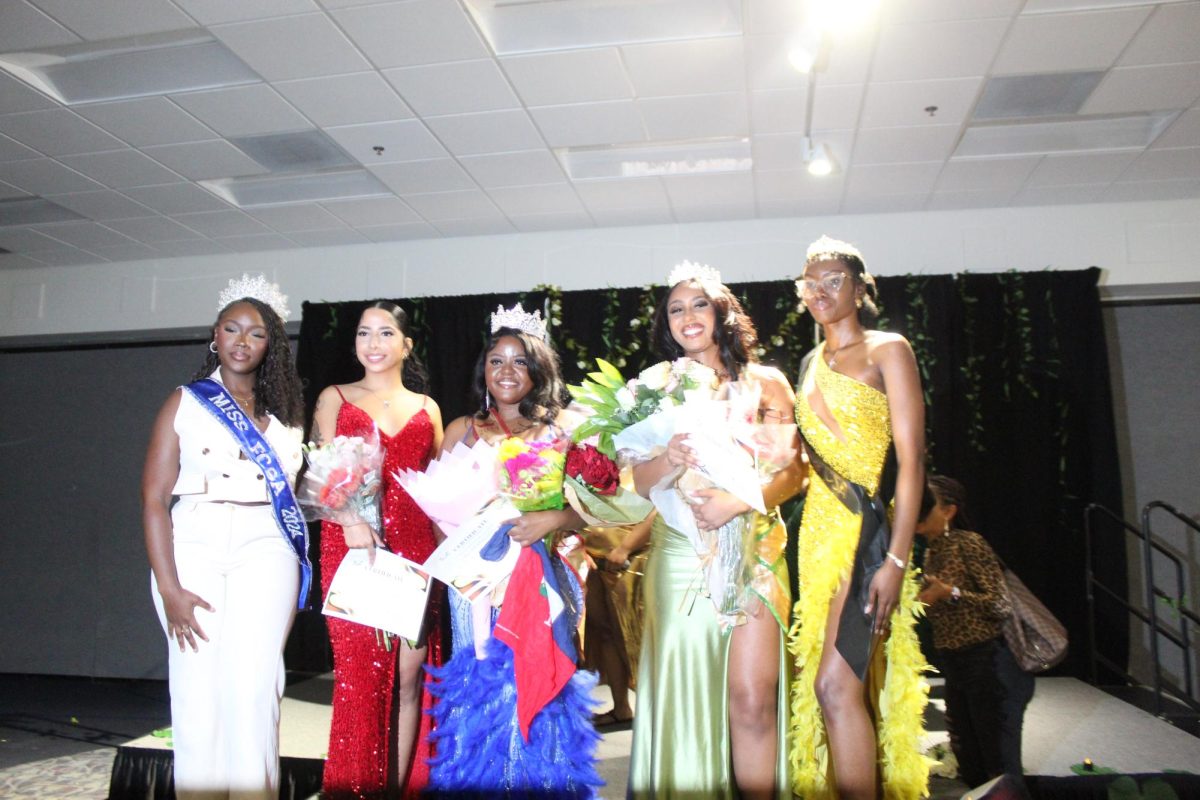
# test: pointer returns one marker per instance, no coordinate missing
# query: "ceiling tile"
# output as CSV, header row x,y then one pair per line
x,y
424,177
892,179
25,27
627,194
731,188
767,63
273,49
976,198
1162,165
221,223
406,34
489,132
8,191
214,12
778,111
797,186
771,16
24,240
696,117
590,124
94,21
939,10
345,99
243,110
837,107
327,238
402,140
628,217
471,204
127,252
256,243
176,198
716,213
147,121
12,150
65,257
547,199
372,211
1067,42
45,176
554,221
986,174
487,226
153,230
458,88
514,169
904,145
883,203
10,261
1184,131
83,234
952,49
16,96
575,76
204,160
903,104
1059,195
784,151
101,206
399,232
121,169
1080,168
57,132
194,247
1155,88
1185,189
1168,37
297,218
696,66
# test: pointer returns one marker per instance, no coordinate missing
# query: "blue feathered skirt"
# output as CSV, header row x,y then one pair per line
x,y
479,749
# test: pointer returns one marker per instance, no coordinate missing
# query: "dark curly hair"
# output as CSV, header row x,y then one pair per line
x,y
951,493
869,311
276,385
734,334
546,398
413,374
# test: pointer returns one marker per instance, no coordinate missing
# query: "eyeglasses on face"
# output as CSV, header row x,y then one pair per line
x,y
830,284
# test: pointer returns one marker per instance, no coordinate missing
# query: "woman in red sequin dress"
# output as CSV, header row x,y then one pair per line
x,y
379,739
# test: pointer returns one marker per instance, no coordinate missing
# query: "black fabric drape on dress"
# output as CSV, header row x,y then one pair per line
x,y
1014,366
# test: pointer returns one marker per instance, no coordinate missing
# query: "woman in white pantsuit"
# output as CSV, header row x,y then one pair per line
x,y
228,561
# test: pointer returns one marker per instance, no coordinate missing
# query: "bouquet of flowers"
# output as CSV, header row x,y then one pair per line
x,y
531,473
616,405
342,480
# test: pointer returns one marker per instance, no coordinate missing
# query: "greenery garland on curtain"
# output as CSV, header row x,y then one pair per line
x,y
1013,367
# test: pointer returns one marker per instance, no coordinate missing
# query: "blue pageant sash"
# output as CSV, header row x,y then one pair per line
x,y
214,399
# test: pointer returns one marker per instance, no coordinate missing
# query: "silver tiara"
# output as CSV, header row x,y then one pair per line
x,y
689,271
826,249
518,319
256,288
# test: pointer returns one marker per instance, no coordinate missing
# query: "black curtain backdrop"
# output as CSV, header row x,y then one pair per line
x,y
1016,384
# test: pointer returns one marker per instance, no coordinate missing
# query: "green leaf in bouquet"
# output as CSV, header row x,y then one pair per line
x,y
611,372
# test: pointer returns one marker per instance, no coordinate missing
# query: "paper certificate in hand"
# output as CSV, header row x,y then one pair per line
x,y
478,554
389,594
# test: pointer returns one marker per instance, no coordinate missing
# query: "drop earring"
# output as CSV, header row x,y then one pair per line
x,y
487,401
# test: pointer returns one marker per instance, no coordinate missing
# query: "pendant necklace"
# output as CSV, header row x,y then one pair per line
x,y
838,350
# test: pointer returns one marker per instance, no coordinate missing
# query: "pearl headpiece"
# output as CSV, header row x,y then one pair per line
x,y
828,249
519,319
690,271
256,288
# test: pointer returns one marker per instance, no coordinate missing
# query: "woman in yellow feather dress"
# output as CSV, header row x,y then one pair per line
x,y
857,696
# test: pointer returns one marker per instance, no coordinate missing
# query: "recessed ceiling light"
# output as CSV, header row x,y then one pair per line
x,y
300,151
1019,96
672,158
281,190
135,66
1099,134
521,26
32,210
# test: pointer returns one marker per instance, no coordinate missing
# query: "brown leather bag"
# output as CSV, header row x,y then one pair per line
x,y
1036,638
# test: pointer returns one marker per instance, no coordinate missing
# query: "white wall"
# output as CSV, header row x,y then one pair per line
x,y
1136,243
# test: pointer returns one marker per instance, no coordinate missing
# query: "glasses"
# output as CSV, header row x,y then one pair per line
x,y
829,284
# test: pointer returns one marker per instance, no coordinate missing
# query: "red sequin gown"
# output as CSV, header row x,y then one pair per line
x,y
361,741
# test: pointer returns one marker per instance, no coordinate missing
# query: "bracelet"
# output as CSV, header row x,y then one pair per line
x,y
897,560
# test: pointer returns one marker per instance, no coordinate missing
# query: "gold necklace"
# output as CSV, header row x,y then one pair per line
x,y
837,350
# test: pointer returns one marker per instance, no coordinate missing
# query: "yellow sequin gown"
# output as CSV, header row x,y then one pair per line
x,y
829,547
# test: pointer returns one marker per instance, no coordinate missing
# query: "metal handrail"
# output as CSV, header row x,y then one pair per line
x,y
1185,614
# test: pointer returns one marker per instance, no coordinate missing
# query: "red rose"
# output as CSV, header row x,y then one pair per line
x,y
339,488
591,467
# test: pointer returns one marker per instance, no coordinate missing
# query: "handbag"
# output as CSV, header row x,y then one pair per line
x,y
1037,639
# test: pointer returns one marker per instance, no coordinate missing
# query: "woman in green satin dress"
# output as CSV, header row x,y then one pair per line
x,y
712,700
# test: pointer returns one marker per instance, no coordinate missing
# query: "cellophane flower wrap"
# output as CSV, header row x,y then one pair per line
x,y
531,473
342,481
739,454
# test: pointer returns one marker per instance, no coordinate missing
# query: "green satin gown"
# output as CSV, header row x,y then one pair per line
x,y
681,728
